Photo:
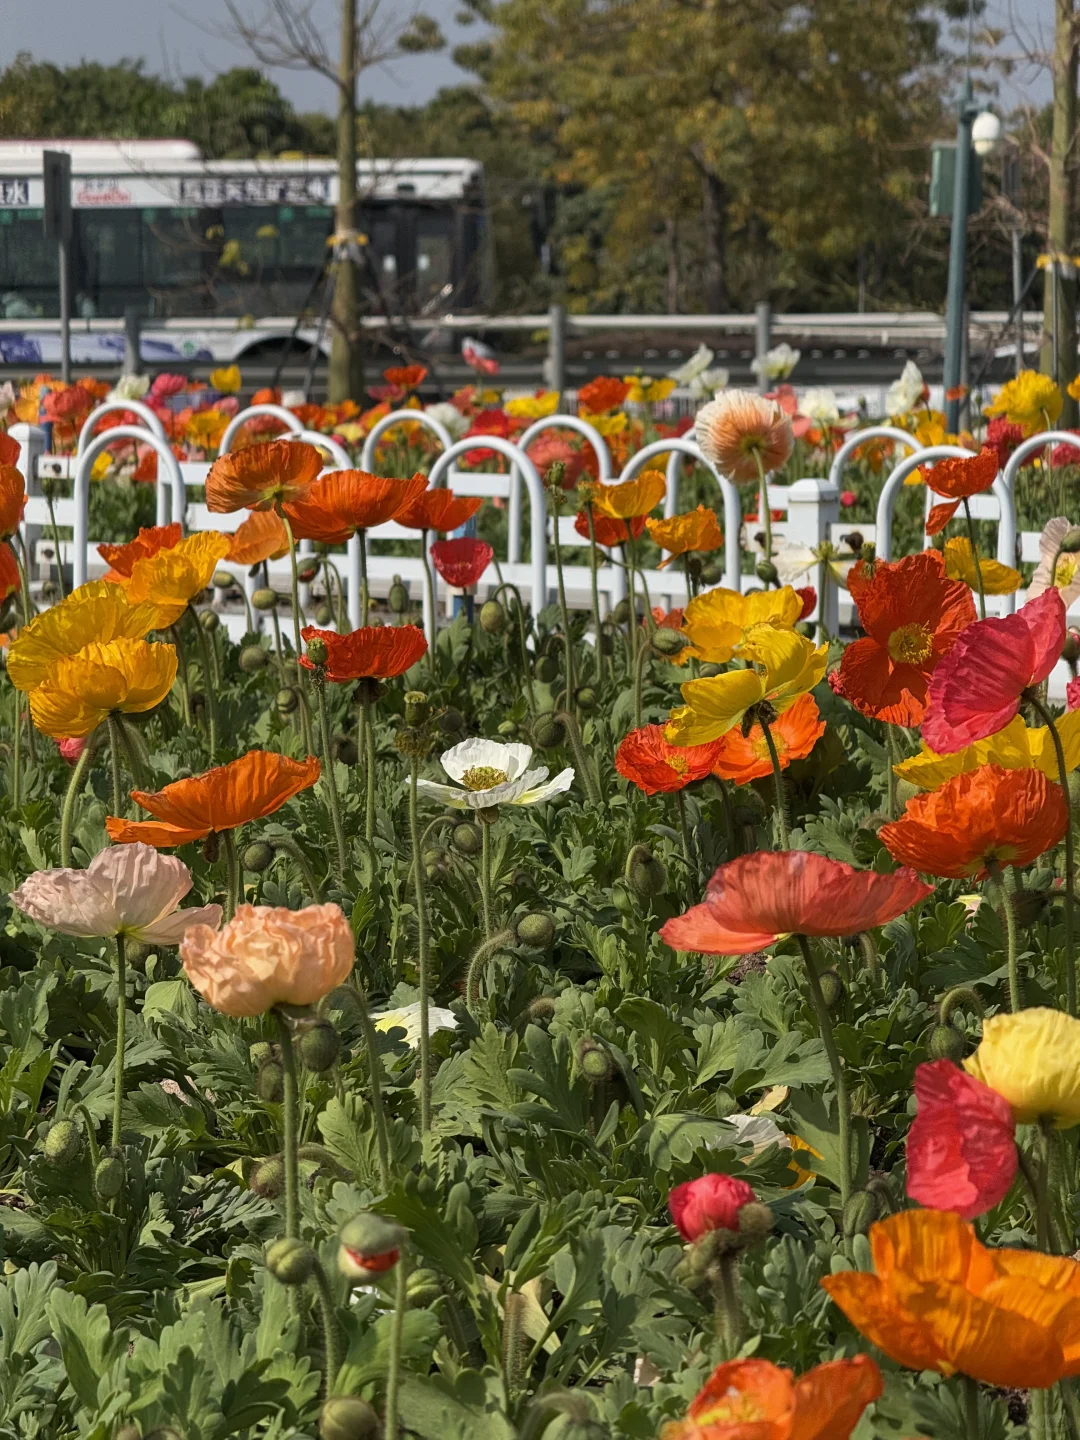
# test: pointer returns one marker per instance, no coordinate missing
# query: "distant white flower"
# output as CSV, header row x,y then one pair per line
x,y
407,1018
1054,568
291,398
904,394
797,564
710,382
698,363
777,363
7,397
488,774
820,404
758,1131
449,416
130,387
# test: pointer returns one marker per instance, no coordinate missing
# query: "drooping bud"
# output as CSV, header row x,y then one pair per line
x,y
417,708
946,1043
492,618
436,863
1070,650
348,1417
264,599
209,620
767,572
258,856
138,952
860,1212
317,652
451,721
712,572
547,732
63,1144
397,597
270,1081
286,701
467,838
537,931
594,1061
306,573
369,1245
130,1431
323,614
109,1177
668,642
253,658
586,698
645,873
621,612
319,1046
832,988
259,1051
290,1261
542,1008
343,748
268,1178
546,669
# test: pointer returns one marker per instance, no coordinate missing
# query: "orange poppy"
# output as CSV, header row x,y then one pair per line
x,y
629,499
438,509
602,394
345,501
757,1400
9,571
913,615
10,449
405,377
374,652
261,537
260,476
795,731
250,788
121,559
12,498
697,530
959,478
940,1300
647,760
989,815
607,531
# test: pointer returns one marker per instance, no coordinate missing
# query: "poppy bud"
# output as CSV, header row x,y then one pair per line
x,y
451,721
621,612
50,591
546,669
646,874
711,1202
109,1177
436,863
348,1417
467,838
323,616
270,1081
1071,542
369,1245
860,1212
594,1061
548,732
397,597
536,931
343,748
260,1051
319,1046
211,847
708,669
832,988
127,1432
209,621
258,856
542,1008
317,652
63,1144
854,541
138,952
417,708
253,658
712,572
268,1178
508,728
1070,650
307,573
668,642
766,571
492,618
286,701
946,1043
264,599
290,1261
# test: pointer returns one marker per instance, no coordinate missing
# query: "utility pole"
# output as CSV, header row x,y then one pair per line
x,y
1058,357
954,305
346,373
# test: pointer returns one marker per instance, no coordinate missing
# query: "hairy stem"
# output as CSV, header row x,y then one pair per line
x,y
329,776
397,1331
1070,852
778,781
422,951
843,1104
74,789
975,558
290,1130
121,1039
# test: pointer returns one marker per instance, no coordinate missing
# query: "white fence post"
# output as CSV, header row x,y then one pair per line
x,y
813,507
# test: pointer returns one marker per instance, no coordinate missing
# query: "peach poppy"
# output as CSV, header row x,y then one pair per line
x,y
757,1400
977,688
647,760
629,499
439,510
984,816
262,475
697,530
345,501
609,532
375,652
80,691
602,394
741,758
752,901
121,559
10,580
744,435
250,788
461,562
262,536
939,1300
913,615
171,579
12,499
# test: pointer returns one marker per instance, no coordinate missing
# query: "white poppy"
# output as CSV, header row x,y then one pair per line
x,y
698,364
1061,571
777,363
819,403
710,383
798,564
449,416
130,387
7,397
291,398
407,1018
487,774
904,394
758,1131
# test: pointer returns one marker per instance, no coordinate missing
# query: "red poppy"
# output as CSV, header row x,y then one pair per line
x,y
977,688
754,900
711,1202
808,596
960,478
1066,454
12,498
438,509
961,1148
345,501
146,470
9,571
10,449
608,531
913,616
375,652
602,394
67,404
1003,437
983,817
405,377
122,559
488,422
647,760
461,562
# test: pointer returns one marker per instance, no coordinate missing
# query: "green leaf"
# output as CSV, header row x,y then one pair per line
x,y
89,1342
676,1137
171,997
819,1128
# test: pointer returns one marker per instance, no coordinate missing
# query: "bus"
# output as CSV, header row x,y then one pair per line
x,y
219,257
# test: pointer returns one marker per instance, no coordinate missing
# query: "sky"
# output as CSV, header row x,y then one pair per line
x,y
184,37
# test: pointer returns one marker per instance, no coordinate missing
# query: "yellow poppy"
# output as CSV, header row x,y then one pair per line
x,y
97,611
170,579
206,427
82,690
997,579
785,666
716,622
1073,388
1030,1060
630,498
226,379
1030,400
697,530
533,407
1017,747
606,424
646,389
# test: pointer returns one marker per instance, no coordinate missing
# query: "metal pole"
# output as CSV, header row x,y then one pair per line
x,y
65,312
132,351
556,356
1018,296
954,307
763,340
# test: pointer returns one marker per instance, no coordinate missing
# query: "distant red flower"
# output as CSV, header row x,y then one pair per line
x,y
405,377
1003,437
146,469
12,497
438,509
268,395
647,760
1066,454
711,1202
602,394
375,652
668,619
608,531
461,562
848,498
547,449
67,404
959,478
977,688
808,595
488,422
961,1148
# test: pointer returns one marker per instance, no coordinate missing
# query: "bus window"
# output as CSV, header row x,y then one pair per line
x,y
303,233
434,253
108,261
172,248
28,267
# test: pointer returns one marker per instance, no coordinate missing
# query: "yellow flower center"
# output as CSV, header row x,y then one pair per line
x,y
910,645
1064,571
760,745
678,763
484,777
731,1409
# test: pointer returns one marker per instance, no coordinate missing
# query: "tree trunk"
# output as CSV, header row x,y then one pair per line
x,y
714,207
346,374
1058,357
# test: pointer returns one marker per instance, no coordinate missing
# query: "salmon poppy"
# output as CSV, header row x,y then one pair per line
x,y
250,788
80,691
741,758
121,559
461,562
961,1148
745,435
939,1300
438,509
913,615
602,394
647,760
977,688
607,531
697,530
10,581
983,817
12,499
375,652
171,579
262,475
753,901
261,537
345,501
629,499
757,1400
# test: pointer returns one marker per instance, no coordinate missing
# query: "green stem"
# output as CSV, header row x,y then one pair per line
x,y
730,1319
1005,899
369,772
16,754
485,873
365,598
232,873
290,1131
182,675
56,543
330,777
593,562
288,846
482,954
588,779
114,764
422,952
331,1335
397,1331
639,676
975,558
305,718
1070,856
209,685
24,586
631,624
778,780
684,829
121,1039
568,642
382,1133
825,1030
75,785
970,1391
526,669
891,760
